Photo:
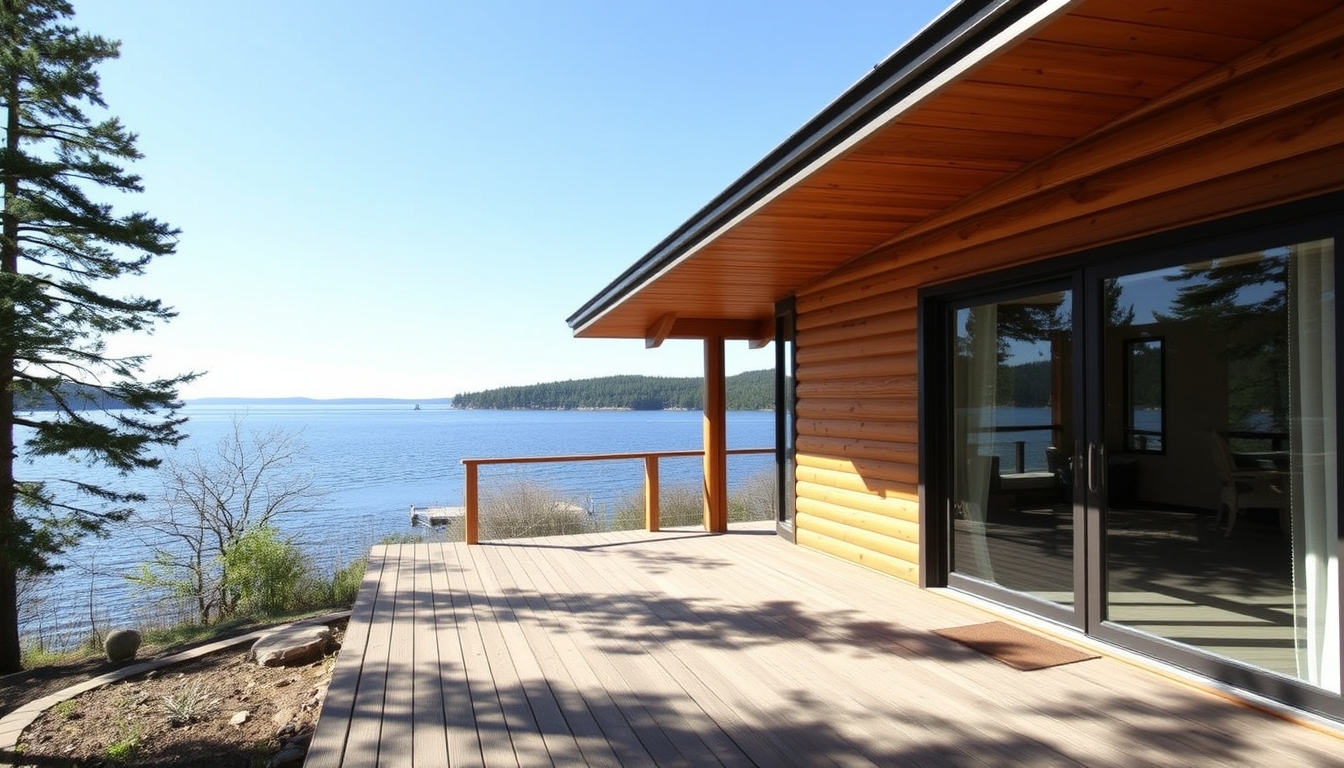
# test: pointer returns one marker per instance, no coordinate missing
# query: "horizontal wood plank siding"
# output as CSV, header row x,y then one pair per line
x,y
1260,131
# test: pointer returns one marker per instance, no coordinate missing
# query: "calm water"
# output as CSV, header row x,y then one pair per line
x,y
372,463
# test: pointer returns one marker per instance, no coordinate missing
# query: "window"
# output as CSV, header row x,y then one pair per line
x,y
1145,395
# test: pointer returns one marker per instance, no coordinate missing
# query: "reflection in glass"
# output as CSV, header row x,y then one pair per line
x,y
1012,515
1230,542
1144,395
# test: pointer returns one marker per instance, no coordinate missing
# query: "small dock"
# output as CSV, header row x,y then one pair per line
x,y
437,516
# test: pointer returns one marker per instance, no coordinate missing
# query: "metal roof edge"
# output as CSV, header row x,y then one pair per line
x,y
955,34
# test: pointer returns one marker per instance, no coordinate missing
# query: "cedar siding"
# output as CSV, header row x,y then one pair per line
x,y
1267,128
1047,147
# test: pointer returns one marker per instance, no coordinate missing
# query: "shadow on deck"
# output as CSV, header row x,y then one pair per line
x,y
681,648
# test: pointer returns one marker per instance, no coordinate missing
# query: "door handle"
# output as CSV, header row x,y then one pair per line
x,y
1096,465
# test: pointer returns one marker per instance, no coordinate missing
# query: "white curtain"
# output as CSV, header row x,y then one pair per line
x,y
1315,463
975,400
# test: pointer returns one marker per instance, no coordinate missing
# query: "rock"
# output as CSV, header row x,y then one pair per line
x,y
282,717
122,644
293,646
289,757
239,717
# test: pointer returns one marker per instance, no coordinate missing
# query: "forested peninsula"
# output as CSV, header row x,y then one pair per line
x,y
750,391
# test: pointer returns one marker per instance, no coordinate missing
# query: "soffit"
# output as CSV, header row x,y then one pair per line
x,y
1072,75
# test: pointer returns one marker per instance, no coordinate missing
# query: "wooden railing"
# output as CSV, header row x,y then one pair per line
x,y
650,458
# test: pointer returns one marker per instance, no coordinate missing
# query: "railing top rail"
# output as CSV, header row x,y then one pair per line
x,y
607,456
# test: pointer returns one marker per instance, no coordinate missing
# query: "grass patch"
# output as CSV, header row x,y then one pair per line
x,y
127,746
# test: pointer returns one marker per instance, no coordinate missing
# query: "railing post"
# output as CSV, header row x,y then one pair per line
x,y
650,493
472,518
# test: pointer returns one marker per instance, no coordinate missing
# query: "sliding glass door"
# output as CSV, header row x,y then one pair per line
x,y
1142,443
1012,439
1221,517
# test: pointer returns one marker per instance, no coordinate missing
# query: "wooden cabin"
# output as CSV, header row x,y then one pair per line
x,y
1052,293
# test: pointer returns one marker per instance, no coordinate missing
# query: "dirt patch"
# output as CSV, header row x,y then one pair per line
x,y
218,710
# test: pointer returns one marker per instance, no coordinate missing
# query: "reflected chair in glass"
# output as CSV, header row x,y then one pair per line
x,y
1247,488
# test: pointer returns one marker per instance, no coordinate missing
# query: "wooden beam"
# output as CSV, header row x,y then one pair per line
x,y
658,332
716,439
750,329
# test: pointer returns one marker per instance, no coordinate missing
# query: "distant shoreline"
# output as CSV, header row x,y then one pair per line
x,y
315,401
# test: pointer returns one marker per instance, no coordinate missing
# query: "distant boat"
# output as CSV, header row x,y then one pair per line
x,y
417,407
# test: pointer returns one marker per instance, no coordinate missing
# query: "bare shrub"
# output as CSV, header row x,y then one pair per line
x,y
525,509
212,500
756,499
681,505
627,514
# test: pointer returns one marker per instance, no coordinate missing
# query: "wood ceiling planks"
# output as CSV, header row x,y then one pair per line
x,y
1083,71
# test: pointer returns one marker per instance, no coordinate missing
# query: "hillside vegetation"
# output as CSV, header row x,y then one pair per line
x,y
750,391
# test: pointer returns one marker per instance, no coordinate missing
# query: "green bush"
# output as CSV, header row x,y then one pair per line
x,y
263,572
345,583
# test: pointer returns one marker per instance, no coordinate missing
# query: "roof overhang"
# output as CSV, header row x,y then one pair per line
x,y
986,90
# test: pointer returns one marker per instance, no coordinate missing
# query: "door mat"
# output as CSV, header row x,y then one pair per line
x,y
1015,647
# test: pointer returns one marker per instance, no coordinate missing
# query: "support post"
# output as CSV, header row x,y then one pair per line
x,y
650,493
715,438
472,518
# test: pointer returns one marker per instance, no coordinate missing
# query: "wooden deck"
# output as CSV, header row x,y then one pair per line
x,y
681,648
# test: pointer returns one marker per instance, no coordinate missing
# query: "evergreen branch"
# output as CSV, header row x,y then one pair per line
x,y
53,320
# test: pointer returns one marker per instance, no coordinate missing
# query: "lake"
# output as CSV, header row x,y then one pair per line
x,y
372,463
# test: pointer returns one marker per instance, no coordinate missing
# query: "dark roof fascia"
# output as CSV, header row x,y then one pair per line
x,y
954,35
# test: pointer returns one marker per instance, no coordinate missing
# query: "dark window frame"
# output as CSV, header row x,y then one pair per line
x,y
1130,434
786,416
1314,218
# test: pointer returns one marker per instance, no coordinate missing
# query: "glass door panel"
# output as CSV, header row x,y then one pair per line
x,y
1220,497
1011,446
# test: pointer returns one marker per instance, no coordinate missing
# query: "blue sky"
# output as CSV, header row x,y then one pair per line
x,y
407,199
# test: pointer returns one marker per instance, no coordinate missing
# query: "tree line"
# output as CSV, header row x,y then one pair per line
x,y
749,391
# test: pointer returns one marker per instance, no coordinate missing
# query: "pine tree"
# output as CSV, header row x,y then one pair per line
x,y
56,244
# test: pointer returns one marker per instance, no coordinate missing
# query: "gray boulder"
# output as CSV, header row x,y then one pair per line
x,y
122,644
293,646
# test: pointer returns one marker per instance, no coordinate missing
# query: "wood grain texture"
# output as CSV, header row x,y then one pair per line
x,y
685,648
1109,85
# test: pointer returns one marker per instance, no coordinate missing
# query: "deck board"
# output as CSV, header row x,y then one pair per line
x,y
681,648
486,675
593,679
664,724
429,738
559,661
463,742
368,713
